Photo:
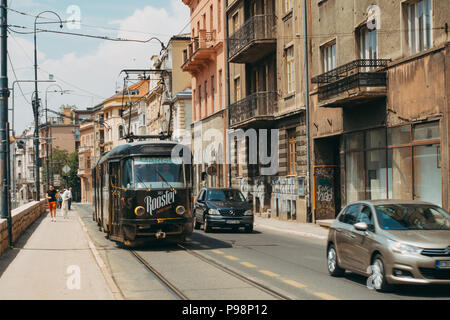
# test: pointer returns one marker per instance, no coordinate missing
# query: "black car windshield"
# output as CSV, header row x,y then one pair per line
x,y
412,217
225,195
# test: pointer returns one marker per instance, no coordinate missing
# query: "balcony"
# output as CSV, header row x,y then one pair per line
x,y
84,149
258,106
254,40
360,81
200,52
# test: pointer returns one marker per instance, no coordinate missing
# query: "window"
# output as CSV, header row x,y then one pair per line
x,y
219,15
420,36
290,69
329,57
213,93
220,89
120,132
368,46
237,89
200,101
287,5
235,22
366,216
291,151
206,97
211,18
350,214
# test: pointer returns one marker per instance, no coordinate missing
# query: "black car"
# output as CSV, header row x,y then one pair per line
x,y
224,208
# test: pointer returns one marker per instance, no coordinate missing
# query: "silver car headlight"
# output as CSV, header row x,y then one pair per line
x,y
403,248
214,212
248,213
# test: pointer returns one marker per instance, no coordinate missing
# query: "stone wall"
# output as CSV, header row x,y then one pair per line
x,y
22,218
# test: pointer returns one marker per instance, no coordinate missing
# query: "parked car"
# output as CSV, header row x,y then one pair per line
x,y
391,242
222,208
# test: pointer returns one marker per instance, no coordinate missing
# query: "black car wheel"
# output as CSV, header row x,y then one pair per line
x,y
249,229
206,227
196,223
332,262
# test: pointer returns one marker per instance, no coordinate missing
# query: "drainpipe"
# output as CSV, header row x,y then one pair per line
x,y
308,161
227,85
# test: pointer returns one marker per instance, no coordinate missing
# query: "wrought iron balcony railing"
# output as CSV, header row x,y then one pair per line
x,y
356,74
259,27
259,104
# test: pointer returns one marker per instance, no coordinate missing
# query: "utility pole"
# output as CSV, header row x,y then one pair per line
x,y
4,127
4,94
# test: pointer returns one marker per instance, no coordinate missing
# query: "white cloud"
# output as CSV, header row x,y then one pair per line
x,y
98,72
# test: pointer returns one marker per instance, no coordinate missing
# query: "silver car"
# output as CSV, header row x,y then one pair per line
x,y
391,242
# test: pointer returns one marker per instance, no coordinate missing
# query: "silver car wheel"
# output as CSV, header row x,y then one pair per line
x,y
377,273
331,259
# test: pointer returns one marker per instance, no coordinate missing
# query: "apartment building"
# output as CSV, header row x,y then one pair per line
x,y
115,126
267,105
379,102
205,60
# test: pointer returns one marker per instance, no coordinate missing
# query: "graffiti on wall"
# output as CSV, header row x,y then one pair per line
x,y
324,192
256,189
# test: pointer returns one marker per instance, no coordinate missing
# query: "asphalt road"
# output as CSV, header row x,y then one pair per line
x,y
293,266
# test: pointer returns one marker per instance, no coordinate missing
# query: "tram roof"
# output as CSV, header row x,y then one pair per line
x,y
137,148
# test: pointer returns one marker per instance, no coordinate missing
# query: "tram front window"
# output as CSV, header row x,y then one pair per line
x,y
152,173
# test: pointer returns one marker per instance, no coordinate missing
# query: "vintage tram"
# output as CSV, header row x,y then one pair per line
x,y
141,193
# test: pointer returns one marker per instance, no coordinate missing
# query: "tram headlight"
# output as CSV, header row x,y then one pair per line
x,y
180,210
139,211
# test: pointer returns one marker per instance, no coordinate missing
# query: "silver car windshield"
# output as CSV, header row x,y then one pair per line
x,y
412,217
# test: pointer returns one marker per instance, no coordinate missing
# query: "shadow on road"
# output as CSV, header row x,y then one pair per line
x,y
411,291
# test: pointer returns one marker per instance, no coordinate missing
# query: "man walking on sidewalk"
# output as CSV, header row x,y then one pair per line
x,y
51,197
70,198
65,203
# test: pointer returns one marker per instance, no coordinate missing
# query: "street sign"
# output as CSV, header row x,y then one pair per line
x,y
66,169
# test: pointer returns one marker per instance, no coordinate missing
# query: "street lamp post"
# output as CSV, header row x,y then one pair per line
x,y
36,105
47,131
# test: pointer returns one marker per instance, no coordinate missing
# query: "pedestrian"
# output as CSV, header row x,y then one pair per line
x,y
65,203
58,196
51,197
70,198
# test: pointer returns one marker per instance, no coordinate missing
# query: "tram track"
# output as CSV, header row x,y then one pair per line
x,y
175,291
180,295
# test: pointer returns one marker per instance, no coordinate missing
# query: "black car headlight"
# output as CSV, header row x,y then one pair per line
x,y
214,212
248,213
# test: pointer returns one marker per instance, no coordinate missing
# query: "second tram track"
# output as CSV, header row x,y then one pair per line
x,y
178,293
166,282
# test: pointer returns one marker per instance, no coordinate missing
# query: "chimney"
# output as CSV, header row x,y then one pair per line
x,y
67,116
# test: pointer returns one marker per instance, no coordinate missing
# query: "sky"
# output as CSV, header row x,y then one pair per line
x,y
88,70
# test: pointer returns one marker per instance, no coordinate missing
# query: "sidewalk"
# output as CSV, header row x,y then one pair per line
x,y
309,230
52,261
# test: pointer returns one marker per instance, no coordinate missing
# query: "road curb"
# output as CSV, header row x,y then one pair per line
x,y
117,294
294,232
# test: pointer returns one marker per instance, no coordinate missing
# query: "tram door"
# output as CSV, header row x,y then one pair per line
x,y
115,197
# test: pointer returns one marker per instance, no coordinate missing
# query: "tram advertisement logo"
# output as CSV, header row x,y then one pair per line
x,y
163,200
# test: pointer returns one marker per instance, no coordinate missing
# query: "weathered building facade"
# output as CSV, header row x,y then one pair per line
x,y
266,90
379,102
204,59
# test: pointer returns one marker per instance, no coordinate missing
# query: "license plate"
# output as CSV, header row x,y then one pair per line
x,y
443,264
233,221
